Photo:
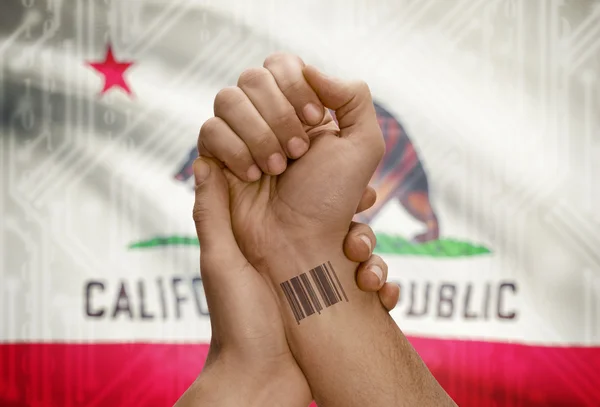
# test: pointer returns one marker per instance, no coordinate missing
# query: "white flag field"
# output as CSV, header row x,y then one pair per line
x,y
490,114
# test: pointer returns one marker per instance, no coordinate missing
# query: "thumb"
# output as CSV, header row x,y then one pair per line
x,y
213,219
353,106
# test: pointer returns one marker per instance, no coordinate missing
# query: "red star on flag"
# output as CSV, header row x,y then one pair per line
x,y
113,71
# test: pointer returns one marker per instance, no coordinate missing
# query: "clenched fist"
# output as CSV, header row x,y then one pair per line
x,y
297,204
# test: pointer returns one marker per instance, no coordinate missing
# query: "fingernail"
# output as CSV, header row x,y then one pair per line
x,y
312,113
276,163
367,241
201,171
296,147
254,173
377,271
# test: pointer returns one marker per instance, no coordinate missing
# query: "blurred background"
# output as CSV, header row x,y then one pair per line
x,y
487,213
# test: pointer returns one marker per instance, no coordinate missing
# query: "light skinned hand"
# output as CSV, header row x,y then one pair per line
x,y
293,225
316,196
248,345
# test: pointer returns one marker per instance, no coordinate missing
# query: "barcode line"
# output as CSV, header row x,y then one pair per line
x,y
338,280
302,297
292,301
321,272
338,297
311,292
320,287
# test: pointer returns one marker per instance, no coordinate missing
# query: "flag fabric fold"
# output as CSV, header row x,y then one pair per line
x,y
486,193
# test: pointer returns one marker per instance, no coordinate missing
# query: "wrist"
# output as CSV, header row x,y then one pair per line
x,y
291,254
315,271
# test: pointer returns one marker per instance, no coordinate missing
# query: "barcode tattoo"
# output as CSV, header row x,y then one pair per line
x,y
302,296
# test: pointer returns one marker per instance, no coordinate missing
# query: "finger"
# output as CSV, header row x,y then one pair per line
x,y
287,71
367,200
211,215
354,111
359,242
233,106
218,140
371,274
262,90
389,295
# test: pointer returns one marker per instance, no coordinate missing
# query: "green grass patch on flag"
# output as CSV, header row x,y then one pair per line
x,y
165,241
444,247
386,244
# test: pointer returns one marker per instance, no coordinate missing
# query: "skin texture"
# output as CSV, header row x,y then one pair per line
x,y
249,361
249,358
282,210
286,224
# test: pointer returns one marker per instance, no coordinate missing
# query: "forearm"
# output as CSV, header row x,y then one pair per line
x,y
217,388
352,352
222,385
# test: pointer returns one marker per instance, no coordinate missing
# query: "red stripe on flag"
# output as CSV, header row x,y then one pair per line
x,y
475,373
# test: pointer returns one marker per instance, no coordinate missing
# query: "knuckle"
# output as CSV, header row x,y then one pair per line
x,y
284,120
207,132
253,76
293,87
264,143
240,154
362,88
202,150
209,128
278,58
227,97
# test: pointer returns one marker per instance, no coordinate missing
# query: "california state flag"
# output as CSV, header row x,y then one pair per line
x,y
487,211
